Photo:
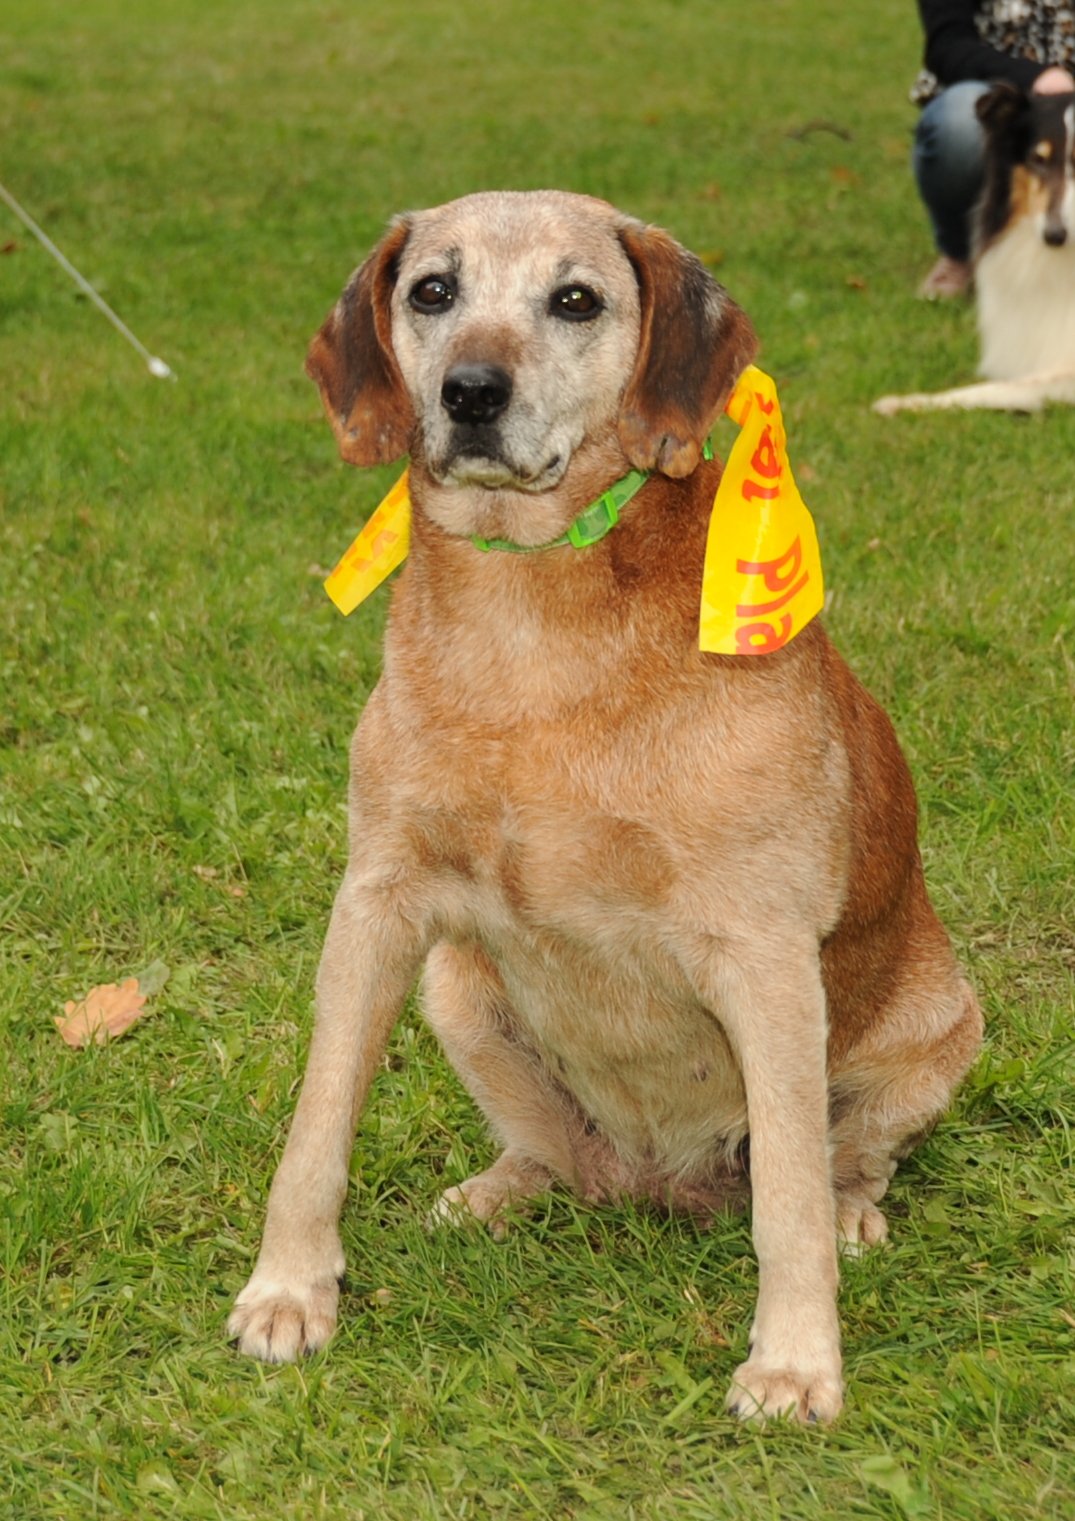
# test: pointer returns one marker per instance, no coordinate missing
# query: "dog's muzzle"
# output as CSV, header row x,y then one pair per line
x,y
1055,234
475,396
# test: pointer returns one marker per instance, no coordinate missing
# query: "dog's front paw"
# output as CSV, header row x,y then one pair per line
x,y
759,1392
890,405
279,1321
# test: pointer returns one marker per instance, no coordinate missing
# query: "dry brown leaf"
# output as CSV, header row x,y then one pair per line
x,y
104,1014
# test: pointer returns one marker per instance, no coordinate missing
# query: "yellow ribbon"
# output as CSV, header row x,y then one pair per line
x,y
379,548
762,579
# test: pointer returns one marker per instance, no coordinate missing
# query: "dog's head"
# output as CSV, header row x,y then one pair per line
x,y
498,336
1031,142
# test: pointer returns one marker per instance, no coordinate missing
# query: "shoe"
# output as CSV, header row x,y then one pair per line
x,y
947,278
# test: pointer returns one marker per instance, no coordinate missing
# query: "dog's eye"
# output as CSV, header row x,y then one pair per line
x,y
433,294
576,303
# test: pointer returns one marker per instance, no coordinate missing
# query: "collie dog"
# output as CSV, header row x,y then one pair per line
x,y
1024,259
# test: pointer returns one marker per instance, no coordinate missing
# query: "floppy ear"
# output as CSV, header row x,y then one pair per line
x,y
694,344
353,362
1001,108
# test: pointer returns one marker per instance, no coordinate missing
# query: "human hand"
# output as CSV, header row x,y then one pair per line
x,y
1053,81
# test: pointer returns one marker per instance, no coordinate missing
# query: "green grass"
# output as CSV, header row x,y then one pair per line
x,y
176,695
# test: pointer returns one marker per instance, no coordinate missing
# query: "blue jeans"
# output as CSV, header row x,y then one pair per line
x,y
949,164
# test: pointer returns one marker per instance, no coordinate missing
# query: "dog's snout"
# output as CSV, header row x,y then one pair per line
x,y
1056,234
475,393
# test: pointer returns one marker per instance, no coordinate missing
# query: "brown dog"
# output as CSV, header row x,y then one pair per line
x,y
662,898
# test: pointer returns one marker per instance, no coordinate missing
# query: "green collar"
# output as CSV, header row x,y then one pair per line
x,y
591,525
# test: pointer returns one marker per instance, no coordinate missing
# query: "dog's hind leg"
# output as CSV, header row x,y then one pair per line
x,y
885,1101
536,1122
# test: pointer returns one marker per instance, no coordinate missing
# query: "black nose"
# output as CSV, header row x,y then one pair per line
x,y
475,393
1056,235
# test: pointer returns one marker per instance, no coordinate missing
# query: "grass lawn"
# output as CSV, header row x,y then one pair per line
x,y
176,697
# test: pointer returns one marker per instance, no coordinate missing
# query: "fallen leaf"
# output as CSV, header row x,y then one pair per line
x,y
110,1009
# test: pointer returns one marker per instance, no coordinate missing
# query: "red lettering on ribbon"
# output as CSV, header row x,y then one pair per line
x,y
776,579
384,541
781,576
767,636
756,609
765,460
361,556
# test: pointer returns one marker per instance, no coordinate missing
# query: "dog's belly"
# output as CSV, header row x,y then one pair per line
x,y
640,1055
575,910
574,919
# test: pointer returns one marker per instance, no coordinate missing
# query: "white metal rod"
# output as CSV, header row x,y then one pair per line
x,y
153,364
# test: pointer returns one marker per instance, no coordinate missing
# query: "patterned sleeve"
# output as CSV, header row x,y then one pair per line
x,y
957,46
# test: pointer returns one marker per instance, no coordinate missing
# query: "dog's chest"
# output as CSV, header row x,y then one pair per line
x,y
586,853
1026,305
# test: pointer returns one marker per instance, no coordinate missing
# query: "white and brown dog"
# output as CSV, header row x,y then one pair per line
x,y
664,900
1024,268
